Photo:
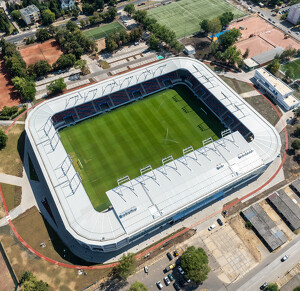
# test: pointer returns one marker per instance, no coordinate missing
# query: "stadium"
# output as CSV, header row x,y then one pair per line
x,y
202,141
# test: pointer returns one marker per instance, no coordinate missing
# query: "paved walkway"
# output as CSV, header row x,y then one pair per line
x,y
9,122
249,94
286,118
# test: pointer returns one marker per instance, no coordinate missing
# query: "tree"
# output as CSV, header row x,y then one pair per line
x,y
82,23
64,61
136,34
154,42
99,4
57,86
110,44
274,66
214,26
289,74
42,34
111,14
129,8
226,18
246,54
80,64
138,286
25,86
30,283
296,144
272,287
195,264
42,68
47,16
297,288
297,112
126,266
248,225
3,139
228,38
71,25
232,55
297,131
204,24
15,14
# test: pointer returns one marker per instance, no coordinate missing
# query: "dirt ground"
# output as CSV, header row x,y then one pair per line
x,y
100,44
260,36
48,50
6,281
8,95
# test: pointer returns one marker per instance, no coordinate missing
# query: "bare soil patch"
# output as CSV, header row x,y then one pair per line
x,y
48,50
247,236
6,281
101,44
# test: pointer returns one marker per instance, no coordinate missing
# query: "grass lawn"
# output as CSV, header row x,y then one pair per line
x,y
10,159
142,133
34,230
103,30
12,195
238,86
184,16
262,106
295,65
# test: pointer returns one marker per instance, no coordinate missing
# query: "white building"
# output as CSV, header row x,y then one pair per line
x,y
30,14
281,92
189,50
294,14
66,4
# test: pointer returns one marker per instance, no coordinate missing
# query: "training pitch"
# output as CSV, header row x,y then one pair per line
x,y
295,66
184,16
134,136
104,30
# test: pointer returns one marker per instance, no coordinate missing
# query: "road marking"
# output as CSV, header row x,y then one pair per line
x,y
8,217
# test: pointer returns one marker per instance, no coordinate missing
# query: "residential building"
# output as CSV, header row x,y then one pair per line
x,y
67,4
30,14
281,92
294,14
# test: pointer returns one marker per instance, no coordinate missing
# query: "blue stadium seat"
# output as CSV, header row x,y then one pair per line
x,y
151,86
119,97
85,110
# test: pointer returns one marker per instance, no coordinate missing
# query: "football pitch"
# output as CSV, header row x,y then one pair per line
x,y
131,137
103,30
184,16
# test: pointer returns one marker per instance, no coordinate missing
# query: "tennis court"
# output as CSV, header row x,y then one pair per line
x,y
103,30
183,17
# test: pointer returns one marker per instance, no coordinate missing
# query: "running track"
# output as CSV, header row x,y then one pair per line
x,y
162,242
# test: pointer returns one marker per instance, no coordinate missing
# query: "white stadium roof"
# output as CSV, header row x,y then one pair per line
x,y
160,193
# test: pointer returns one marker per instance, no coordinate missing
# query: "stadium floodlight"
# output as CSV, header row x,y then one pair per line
x,y
145,171
124,180
167,163
189,150
66,165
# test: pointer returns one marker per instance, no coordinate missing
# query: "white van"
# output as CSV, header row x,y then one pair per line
x,y
212,227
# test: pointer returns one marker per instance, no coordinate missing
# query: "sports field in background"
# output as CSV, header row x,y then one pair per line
x,y
103,30
184,16
295,65
134,136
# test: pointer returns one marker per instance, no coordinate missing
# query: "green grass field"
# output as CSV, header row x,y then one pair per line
x,y
142,133
103,30
184,16
295,65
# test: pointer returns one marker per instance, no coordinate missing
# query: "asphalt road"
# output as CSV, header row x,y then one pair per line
x,y
270,269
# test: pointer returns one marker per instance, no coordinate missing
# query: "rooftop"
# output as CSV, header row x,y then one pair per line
x,y
279,85
268,55
31,9
265,226
285,205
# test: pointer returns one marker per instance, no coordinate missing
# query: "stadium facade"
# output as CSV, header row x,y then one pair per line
x,y
170,192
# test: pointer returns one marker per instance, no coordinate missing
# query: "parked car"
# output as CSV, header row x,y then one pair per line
x,y
176,254
180,270
212,227
171,277
176,286
159,285
146,269
171,267
263,286
220,221
167,281
284,258
170,257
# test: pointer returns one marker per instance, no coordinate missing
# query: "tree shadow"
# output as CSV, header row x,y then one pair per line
x,y
114,283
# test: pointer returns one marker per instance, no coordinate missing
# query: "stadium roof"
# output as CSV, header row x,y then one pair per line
x,y
94,228
265,226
